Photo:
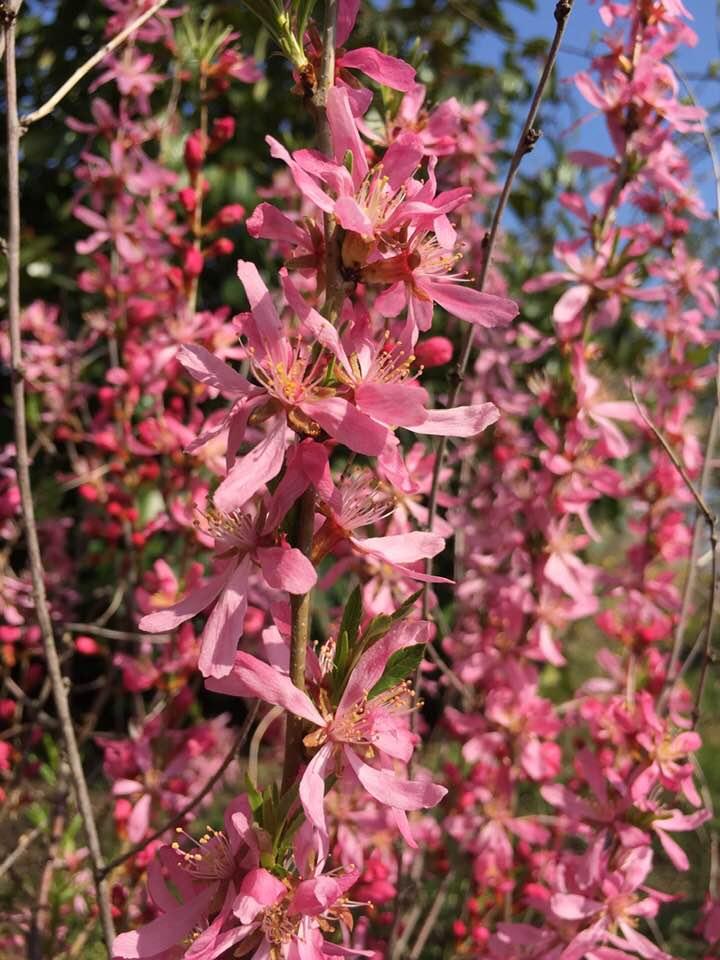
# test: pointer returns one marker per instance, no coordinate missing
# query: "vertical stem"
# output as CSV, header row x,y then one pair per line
x,y
8,13
301,605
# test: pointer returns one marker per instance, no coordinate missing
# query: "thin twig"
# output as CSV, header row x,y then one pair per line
x,y
42,611
86,67
300,606
674,671
194,801
712,523
526,141
22,845
431,919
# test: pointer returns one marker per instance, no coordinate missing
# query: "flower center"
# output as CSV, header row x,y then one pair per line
x,y
210,858
277,925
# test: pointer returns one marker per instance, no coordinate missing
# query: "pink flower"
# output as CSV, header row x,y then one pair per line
x,y
241,543
292,393
359,729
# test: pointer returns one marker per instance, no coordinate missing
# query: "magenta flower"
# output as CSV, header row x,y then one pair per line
x,y
206,877
358,730
242,543
292,394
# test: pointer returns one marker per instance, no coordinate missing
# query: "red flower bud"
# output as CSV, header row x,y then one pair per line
x,y
193,262
222,247
87,646
223,129
194,151
434,352
459,929
230,214
188,199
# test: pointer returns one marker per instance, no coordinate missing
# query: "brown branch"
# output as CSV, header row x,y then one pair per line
x,y
86,67
301,605
526,141
712,523
194,801
431,919
21,845
8,14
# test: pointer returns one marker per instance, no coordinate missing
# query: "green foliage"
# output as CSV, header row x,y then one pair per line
x,y
402,664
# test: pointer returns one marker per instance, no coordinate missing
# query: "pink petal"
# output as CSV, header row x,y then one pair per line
x,y
386,70
164,932
391,790
251,677
208,369
287,569
469,304
571,303
345,136
313,897
271,224
263,309
403,547
371,664
225,626
674,851
571,906
312,789
347,424
304,181
458,421
347,15
163,621
139,819
252,471
398,404
259,889
402,159
351,216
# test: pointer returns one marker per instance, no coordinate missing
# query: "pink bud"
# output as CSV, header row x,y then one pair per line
x,y
87,646
7,710
434,352
230,214
193,262
222,247
459,929
223,129
188,198
194,151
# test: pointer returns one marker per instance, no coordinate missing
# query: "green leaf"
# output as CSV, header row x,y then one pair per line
x,y
379,626
253,794
352,615
400,666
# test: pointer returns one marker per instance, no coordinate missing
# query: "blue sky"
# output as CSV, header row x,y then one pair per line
x,y
583,36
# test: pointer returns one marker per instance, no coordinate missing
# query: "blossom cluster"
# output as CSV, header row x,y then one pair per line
x,y
247,531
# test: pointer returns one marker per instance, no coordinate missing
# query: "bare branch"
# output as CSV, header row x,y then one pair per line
x,y
60,695
712,523
526,141
89,64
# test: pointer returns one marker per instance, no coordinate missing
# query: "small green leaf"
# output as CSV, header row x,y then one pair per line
x,y
379,626
352,615
399,666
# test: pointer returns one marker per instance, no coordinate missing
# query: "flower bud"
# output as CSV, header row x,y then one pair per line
x,y
434,352
188,199
194,151
223,129
193,262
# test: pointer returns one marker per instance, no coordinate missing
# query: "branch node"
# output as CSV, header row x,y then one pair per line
x,y
531,138
562,10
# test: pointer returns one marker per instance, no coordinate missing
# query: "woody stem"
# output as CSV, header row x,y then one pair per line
x,y
300,605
